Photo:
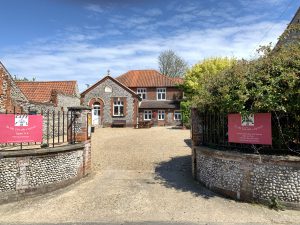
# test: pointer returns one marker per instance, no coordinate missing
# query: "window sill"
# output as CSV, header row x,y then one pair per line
x,y
118,116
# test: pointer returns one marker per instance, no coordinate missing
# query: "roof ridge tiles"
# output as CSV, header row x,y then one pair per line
x,y
55,81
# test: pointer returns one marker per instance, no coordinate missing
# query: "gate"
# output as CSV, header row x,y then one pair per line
x,y
58,128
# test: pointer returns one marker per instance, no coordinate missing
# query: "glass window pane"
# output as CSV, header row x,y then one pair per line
x,y
116,110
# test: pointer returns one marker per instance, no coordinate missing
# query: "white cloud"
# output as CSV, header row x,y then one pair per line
x,y
94,8
82,60
85,54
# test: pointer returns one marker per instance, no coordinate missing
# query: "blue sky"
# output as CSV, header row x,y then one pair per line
x,y
82,39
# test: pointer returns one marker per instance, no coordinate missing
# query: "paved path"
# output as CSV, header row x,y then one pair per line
x,y
140,177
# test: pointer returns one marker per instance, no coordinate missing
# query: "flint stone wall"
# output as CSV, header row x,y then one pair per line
x,y
65,101
30,172
246,177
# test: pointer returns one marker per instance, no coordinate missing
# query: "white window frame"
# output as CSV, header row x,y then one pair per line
x,y
177,112
118,103
96,109
149,115
160,92
141,92
161,115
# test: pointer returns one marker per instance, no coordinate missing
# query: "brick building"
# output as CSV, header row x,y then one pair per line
x,y
24,96
111,103
159,93
11,97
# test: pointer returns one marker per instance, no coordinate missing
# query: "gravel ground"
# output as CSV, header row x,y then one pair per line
x,y
140,177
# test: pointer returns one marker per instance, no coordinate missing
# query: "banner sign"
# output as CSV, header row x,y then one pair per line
x,y
21,128
89,125
253,129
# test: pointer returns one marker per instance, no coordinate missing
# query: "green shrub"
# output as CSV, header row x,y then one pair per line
x,y
186,113
269,83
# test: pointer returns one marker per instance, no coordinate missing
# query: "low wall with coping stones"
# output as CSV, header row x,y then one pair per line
x,y
246,177
32,172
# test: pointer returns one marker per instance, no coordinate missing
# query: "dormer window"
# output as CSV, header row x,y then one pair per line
x,y
161,93
142,92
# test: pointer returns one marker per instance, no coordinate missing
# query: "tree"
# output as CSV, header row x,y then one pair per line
x,y
16,78
171,64
201,80
201,84
270,83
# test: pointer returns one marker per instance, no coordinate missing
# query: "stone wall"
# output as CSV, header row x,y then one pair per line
x,y
117,91
31,172
248,177
65,101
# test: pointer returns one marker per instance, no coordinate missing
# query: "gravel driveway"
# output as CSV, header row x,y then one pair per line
x,y
139,176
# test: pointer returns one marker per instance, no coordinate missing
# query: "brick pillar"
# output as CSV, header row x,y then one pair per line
x,y
79,131
197,130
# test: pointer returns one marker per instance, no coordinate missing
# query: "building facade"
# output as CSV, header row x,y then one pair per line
x,y
112,103
160,104
52,95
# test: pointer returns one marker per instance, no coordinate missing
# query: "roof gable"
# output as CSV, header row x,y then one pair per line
x,y
42,91
147,78
296,18
290,36
102,80
16,92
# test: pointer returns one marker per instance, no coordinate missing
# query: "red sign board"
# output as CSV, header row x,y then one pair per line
x,y
253,129
21,128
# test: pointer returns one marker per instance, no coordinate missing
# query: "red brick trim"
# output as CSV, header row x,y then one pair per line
x,y
1,86
124,99
135,110
92,101
112,106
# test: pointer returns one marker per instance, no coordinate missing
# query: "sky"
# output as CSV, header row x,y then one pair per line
x,y
83,39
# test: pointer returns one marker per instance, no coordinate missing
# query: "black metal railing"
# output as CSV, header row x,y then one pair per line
x,y
58,128
285,134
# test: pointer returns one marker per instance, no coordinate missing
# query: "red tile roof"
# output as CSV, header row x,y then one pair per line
x,y
42,91
147,78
